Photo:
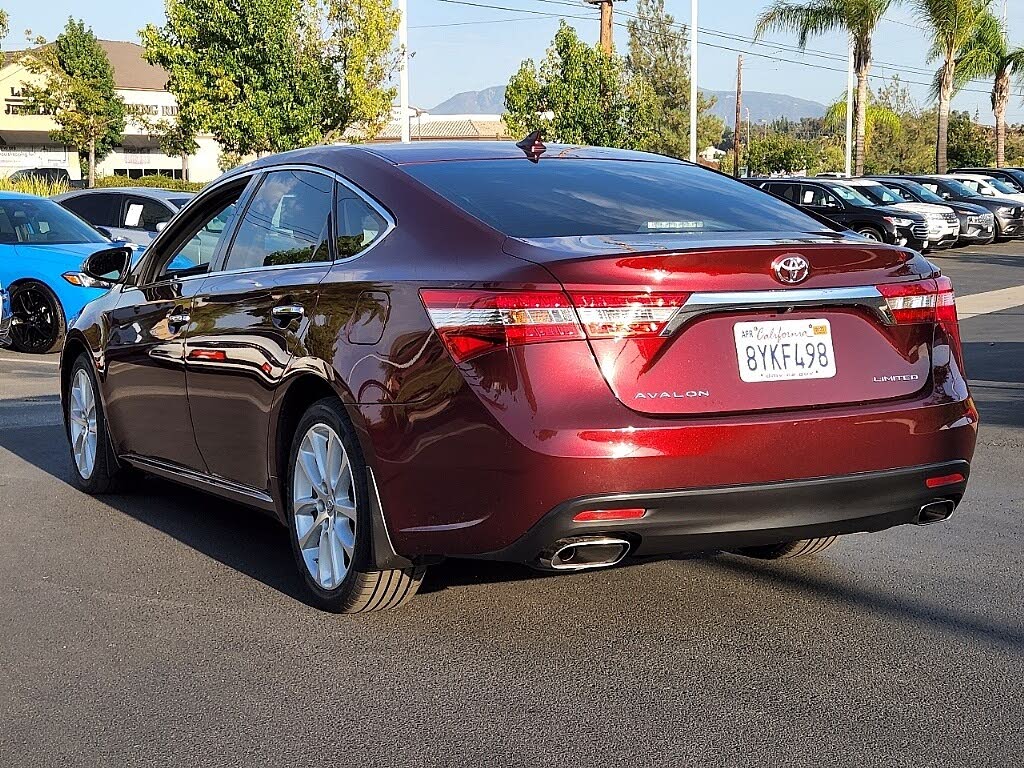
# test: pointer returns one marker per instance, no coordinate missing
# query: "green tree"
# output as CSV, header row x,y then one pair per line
x,y
952,24
78,90
968,142
875,116
580,95
857,18
5,24
780,153
658,53
272,75
909,146
988,54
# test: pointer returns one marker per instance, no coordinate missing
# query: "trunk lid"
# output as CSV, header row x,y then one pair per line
x,y
738,339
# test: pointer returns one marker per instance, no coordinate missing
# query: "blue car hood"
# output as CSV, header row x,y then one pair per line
x,y
75,253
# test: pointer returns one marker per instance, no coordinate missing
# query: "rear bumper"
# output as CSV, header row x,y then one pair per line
x,y
747,515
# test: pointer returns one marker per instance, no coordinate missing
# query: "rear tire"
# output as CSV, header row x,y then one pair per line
x,y
870,233
789,550
329,519
94,466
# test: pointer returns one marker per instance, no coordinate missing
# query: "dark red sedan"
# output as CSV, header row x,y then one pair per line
x,y
561,358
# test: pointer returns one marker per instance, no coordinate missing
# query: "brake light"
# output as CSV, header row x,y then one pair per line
x,y
926,301
474,322
618,315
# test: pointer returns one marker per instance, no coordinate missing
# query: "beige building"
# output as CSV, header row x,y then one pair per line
x,y
25,137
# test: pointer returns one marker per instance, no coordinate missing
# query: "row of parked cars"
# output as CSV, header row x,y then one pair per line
x,y
43,243
966,206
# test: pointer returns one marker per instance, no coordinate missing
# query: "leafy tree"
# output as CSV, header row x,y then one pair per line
x,y
580,95
988,54
658,53
968,142
779,153
875,116
857,18
5,24
952,25
78,90
908,147
271,75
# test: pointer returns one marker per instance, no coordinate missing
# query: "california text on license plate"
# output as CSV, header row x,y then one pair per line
x,y
779,350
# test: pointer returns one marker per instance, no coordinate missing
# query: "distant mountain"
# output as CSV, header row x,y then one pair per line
x,y
762,106
489,101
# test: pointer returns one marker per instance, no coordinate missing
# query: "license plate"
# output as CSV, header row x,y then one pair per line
x,y
782,350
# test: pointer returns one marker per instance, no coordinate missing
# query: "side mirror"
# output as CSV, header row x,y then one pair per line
x,y
110,264
161,226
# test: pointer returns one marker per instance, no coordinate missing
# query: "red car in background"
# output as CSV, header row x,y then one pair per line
x,y
560,356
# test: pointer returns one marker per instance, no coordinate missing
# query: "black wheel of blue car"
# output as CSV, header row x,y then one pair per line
x,y
38,324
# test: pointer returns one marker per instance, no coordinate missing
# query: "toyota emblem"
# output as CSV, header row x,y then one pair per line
x,y
791,268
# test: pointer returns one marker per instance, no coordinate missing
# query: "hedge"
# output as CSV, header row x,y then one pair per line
x,y
157,180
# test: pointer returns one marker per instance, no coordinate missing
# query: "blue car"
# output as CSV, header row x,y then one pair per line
x,y
42,247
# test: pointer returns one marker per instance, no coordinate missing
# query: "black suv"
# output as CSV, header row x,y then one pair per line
x,y
977,223
1009,215
849,208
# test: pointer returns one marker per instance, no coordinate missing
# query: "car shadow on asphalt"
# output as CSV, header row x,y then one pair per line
x,y
984,259
996,370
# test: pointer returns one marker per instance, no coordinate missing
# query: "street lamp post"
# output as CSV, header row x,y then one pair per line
x,y
403,75
693,81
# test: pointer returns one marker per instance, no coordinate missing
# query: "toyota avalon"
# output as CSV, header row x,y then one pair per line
x,y
555,355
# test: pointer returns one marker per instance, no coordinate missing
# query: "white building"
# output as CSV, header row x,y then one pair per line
x,y
25,137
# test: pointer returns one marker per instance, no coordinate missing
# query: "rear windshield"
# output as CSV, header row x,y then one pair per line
x,y
573,198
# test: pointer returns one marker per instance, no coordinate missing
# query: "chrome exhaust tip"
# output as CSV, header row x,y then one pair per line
x,y
580,553
935,512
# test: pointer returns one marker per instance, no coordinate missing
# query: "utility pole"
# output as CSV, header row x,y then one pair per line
x,y
739,113
849,112
403,75
606,24
693,81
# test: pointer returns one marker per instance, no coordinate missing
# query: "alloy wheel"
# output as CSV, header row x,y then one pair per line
x,y
34,320
324,506
82,421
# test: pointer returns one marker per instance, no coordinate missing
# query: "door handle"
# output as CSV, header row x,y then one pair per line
x,y
286,313
178,317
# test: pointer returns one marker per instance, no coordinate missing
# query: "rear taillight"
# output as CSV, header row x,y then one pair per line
x,y
925,301
474,322
610,315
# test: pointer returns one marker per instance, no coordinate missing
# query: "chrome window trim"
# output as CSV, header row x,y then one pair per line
x,y
380,210
699,304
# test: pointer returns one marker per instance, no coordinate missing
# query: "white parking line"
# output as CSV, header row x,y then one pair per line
x,y
28,361
989,301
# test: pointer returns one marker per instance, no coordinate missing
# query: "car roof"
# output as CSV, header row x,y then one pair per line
x,y
154,192
19,196
972,176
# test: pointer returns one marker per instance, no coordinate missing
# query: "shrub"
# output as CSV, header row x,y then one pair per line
x,y
33,185
157,180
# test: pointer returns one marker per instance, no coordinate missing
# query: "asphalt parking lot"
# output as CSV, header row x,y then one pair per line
x,y
165,628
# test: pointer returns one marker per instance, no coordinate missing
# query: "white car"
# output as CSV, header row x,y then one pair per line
x,y
987,186
943,223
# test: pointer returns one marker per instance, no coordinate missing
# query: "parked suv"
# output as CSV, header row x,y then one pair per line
x,y
1012,176
943,223
977,223
558,356
840,203
1008,213
131,214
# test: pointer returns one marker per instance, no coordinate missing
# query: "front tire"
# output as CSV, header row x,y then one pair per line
x,y
329,520
38,324
789,550
94,467
870,233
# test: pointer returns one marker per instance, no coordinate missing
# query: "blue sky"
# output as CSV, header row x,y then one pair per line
x,y
458,47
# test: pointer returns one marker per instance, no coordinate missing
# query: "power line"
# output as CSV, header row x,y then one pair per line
x,y
481,21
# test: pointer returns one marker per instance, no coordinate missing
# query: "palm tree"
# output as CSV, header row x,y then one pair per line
x,y
953,23
858,18
987,54
875,116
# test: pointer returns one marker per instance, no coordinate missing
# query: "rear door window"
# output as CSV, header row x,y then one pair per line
x,y
143,213
790,192
572,197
